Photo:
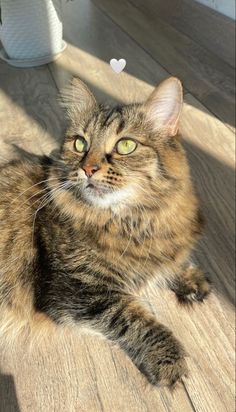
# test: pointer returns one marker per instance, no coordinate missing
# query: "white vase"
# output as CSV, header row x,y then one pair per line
x,y
31,31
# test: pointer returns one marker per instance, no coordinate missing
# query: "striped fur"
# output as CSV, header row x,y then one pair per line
x,y
76,250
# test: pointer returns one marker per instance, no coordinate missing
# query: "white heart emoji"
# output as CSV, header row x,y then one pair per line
x,y
118,65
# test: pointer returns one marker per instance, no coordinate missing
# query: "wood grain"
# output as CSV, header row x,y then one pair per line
x,y
88,56
83,374
205,75
212,30
28,100
211,152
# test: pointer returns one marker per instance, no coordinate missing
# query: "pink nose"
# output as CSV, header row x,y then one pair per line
x,y
90,169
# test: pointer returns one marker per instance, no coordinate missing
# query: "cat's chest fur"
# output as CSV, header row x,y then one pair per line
x,y
131,249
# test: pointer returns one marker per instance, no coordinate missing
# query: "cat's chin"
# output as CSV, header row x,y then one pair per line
x,y
105,198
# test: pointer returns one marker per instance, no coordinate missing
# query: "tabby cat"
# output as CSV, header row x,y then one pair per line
x,y
83,232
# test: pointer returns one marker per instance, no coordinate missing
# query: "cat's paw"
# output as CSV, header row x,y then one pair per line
x,y
194,286
194,292
166,365
170,374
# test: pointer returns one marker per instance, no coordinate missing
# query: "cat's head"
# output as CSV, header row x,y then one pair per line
x,y
122,156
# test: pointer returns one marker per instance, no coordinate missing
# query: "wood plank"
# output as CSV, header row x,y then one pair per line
x,y
208,337
210,146
88,56
83,374
206,76
29,111
212,30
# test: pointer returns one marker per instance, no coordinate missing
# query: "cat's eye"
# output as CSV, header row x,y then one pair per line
x,y
80,144
126,146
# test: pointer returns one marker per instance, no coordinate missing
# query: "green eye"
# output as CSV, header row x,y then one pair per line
x,y
80,144
126,146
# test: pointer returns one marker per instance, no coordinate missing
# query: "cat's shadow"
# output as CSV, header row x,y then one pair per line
x,y
8,395
23,154
214,181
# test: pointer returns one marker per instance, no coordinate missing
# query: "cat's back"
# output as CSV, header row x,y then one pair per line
x,y
20,189
17,177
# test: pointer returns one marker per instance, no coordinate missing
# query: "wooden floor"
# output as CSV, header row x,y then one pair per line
x,y
79,373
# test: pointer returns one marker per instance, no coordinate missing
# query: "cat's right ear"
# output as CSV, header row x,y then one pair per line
x,y
77,98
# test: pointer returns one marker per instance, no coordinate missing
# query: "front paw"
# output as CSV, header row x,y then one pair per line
x,y
165,364
192,286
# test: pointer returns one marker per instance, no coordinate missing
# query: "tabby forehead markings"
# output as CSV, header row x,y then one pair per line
x,y
101,122
113,114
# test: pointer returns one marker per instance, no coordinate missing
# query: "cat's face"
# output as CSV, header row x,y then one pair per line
x,y
115,157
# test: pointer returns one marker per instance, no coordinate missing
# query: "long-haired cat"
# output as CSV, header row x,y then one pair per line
x,y
82,233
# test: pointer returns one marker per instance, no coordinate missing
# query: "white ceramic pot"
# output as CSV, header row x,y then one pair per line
x,y
31,31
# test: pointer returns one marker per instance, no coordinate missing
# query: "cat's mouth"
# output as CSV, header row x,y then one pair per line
x,y
104,196
90,186
97,190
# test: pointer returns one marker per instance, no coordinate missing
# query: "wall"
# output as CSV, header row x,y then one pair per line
x,y
226,7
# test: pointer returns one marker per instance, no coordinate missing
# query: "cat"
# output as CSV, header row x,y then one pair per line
x,y
83,232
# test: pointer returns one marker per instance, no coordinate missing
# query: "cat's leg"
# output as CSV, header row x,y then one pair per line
x,y
190,285
150,345
123,319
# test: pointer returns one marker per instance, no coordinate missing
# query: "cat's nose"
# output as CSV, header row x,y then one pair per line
x,y
90,169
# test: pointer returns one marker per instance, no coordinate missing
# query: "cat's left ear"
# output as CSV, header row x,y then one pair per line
x,y
163,107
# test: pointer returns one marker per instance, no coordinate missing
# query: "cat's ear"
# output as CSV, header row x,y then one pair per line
x,y
163,107
77,98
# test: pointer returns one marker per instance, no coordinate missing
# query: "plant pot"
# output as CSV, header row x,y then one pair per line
x,y
31,31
